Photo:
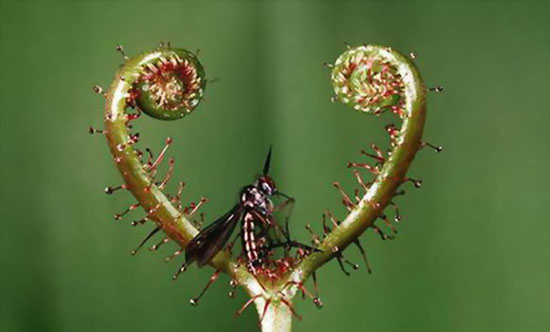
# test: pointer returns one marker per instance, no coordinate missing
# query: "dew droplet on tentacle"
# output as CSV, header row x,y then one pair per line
x,y
173,255
388,223
169,85
363,254
436,148
341,264
110,190
152,166
360,180
415,182
438,88
120,49
99,90
382,235
195,301
315,240
182,269
155,247
372,169
119,216
92,131
193,208
366,81
233,283
150,235
168,175
140,221
348,203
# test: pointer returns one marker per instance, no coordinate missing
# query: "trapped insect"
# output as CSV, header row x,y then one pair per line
x,y
255,211
167,83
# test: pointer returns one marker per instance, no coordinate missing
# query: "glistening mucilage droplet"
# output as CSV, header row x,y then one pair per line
x,y
365,79
169,83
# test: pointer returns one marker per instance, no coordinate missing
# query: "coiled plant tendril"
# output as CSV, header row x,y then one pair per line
x,y
168,83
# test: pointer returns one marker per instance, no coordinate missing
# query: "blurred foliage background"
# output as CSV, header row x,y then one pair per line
x,y
473,249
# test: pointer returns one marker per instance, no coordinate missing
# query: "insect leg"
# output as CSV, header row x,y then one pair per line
x,y
288,204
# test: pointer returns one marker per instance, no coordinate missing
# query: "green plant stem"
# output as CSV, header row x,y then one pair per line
x,y
138,181
392,174
278,315
277,318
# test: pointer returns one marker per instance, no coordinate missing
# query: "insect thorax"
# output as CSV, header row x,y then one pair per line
x,y
253,199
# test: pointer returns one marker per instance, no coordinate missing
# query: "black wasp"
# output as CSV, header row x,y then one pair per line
x,y
254,208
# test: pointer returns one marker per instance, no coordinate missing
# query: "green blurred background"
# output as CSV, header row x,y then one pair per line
x,y
472,253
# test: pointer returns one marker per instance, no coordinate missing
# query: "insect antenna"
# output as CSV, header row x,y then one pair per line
x,y
267,161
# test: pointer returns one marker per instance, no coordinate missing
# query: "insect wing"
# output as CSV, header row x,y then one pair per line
x,y
211,239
